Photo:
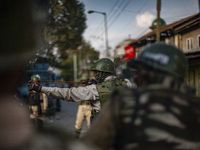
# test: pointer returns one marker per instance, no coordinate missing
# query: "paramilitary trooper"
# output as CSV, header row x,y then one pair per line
x,y
161,114
97,93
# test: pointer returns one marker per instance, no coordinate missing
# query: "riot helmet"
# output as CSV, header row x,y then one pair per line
x,y
162,57
104,67
156,62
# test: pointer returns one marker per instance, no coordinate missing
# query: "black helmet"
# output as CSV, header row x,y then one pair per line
x,y
104,65
164,57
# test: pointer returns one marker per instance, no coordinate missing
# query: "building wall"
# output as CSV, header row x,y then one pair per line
x,y
191,35
119,50
169,40
193,74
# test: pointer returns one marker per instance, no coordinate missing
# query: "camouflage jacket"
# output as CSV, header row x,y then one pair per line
x,y
159,117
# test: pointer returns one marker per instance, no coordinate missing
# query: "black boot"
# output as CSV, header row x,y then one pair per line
x,y
39,124
77,133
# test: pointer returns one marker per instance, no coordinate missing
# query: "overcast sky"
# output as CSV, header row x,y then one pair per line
x,y
130,18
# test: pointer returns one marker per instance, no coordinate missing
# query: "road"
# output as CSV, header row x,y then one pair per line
x,y
66,117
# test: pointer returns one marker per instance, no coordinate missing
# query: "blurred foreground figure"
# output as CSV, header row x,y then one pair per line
x,y
18,43
18,27
161,114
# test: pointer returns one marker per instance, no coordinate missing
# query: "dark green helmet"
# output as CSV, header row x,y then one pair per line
x,y
163,57
104,65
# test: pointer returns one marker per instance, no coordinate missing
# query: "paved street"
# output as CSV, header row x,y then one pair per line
x,y
66,117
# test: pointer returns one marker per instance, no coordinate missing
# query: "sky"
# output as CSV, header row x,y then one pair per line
x,y
130,18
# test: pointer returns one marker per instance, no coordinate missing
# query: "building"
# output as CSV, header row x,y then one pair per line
x,y
184,34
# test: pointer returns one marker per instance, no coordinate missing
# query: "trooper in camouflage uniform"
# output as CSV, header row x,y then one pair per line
x,y
161,114
97,93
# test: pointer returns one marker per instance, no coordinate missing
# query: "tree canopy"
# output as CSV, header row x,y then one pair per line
x,y
66,24
63,36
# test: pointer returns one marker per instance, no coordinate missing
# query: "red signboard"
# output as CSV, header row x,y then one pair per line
x,y
129,51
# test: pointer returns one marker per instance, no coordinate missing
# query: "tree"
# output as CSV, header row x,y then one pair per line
x,y
86,56
67,69
63,35
65,27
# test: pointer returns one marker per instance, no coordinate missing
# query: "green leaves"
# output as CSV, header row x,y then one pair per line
x,y
66,24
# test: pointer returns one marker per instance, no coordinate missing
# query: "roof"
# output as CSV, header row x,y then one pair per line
x,y
176,26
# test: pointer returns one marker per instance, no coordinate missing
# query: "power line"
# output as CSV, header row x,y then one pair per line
x,y
137,12
101,26
117,16
119,13
113,10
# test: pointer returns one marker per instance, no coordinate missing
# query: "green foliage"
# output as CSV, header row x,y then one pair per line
x,y
88,52
64,29
65,26
67,69
86,55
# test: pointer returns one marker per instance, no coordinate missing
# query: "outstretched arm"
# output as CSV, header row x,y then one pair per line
x,y
69,94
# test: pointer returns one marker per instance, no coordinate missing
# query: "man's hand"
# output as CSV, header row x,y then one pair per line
x,y
89,82
92,81
34,86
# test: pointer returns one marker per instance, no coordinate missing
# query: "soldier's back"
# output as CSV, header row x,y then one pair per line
x,y
158,118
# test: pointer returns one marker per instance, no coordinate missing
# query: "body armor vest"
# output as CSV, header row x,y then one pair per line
x,y
34,98
105,88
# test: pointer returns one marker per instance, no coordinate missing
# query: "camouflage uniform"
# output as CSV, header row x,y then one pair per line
x,y
157,116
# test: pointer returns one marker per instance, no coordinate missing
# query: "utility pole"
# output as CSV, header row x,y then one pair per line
x,y
158,21
106,30
75,66
106,35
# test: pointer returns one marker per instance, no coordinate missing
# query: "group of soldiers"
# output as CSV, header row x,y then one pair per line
x,y
161,113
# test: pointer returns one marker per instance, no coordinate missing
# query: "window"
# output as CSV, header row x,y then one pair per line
x,y
198,40
189,43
